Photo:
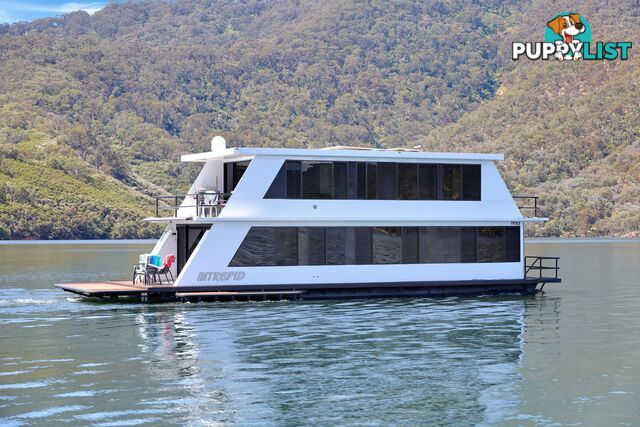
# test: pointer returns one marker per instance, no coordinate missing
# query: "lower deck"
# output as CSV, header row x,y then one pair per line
x,y
116,290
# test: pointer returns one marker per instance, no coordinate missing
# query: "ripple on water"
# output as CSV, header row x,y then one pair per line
x,y
445,361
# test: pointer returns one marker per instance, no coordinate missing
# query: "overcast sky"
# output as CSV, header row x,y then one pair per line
x,y
14,10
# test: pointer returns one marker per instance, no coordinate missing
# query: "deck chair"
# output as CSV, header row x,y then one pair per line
x,y
164,269
148,268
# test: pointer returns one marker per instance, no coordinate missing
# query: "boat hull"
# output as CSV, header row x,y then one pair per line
x,y
114,290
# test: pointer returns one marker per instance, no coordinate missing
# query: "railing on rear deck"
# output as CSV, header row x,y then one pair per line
x,y
208,204
527,204
540,264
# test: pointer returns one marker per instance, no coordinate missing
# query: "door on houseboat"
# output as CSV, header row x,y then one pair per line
x,y
188,238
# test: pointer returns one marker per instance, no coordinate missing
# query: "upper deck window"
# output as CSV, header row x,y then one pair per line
x,y
233,171
376,181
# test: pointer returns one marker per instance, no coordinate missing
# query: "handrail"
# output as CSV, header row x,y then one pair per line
x,y
207,203
538,263
529,200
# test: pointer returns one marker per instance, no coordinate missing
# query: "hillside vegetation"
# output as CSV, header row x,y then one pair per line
x,y
95,110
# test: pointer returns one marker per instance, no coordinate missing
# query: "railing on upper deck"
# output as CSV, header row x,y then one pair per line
x,y
208,204
541,264
528,205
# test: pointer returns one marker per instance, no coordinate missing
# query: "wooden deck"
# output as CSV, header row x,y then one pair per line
x,y
115,290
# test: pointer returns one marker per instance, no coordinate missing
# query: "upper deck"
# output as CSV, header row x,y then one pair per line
x,y
338,153
342,184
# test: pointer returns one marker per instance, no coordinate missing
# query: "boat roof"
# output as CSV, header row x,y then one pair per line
x,y
333,153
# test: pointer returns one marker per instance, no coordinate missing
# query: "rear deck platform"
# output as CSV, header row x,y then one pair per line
x,y
115,290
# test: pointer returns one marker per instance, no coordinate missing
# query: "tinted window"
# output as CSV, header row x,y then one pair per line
x,y
372,191
363,245
286,246
239,170
293,180
340,180
359,180
468,242
387,181
335,245
471,182
232,173
440,244
228,177
362,180
317,180
427,182
270,246
311,246
451,182
352,180
387,245
407,181
410,245
188,238
278,188
256,249
490,244
350,245
512,242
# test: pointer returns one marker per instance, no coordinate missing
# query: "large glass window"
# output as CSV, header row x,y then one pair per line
x,y
317,180
451,182
440,244
311,246
427,182
363,245
340,180
410,245
372,187
188,237
407,181
352,180
362,180
512,244
471,182
374,181
490,244
271,246
278,188
233,172
286,246
387,245
257,248
335,245
387,181
294,189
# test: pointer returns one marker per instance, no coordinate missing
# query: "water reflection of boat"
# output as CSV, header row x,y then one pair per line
x,y
325,362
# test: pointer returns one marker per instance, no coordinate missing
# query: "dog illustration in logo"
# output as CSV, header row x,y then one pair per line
x,y
567,27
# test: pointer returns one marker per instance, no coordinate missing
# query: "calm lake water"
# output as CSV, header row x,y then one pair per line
x,y
568,357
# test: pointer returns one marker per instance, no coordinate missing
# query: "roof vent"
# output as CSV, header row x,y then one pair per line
x,y
218,143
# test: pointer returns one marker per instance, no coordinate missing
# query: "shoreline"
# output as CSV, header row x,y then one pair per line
x,y
80,242
153,241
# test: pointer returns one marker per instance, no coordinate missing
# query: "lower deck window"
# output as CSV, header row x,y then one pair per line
x,y
290,246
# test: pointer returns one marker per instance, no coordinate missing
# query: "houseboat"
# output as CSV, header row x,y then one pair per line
x,y
341,222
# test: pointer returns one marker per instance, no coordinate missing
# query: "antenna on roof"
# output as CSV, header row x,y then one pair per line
x,y
218,143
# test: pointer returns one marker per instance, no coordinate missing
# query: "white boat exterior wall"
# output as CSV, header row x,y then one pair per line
x,y
247,208
167,245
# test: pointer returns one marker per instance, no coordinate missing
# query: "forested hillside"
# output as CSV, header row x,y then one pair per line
x,y
95,110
